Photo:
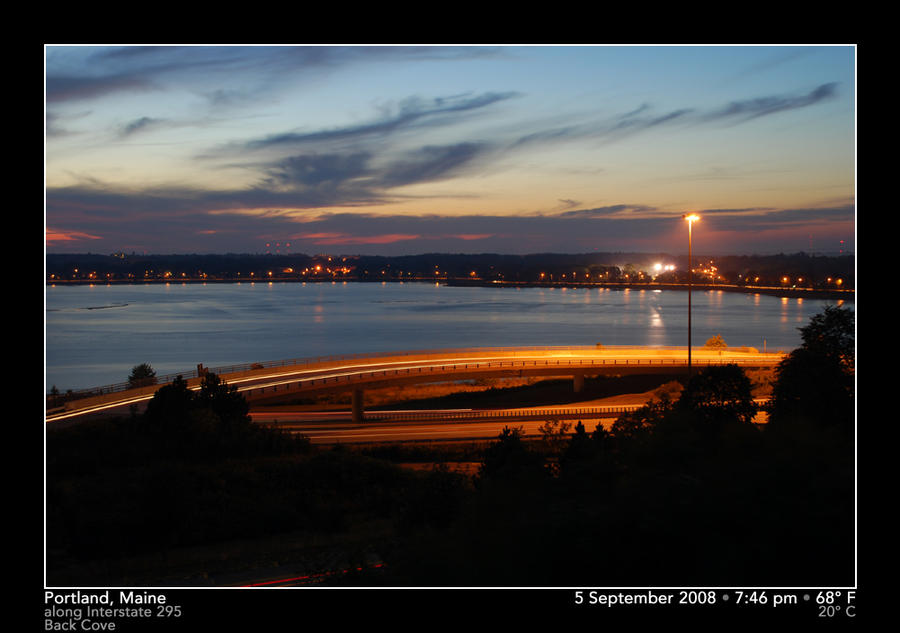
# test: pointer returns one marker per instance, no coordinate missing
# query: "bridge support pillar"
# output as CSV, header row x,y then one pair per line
x,y
358,415
578,382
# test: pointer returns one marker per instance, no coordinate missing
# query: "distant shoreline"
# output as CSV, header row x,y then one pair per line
x,y
765,290
812,293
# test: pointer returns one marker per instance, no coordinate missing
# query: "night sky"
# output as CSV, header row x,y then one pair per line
x,y
463,149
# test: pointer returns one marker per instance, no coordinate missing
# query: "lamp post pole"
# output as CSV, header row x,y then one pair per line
x,y
691,218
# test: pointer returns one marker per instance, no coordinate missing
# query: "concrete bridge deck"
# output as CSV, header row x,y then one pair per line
x,y
355,374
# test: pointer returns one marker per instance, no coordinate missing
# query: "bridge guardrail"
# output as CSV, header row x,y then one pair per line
x,y
400,416
449,368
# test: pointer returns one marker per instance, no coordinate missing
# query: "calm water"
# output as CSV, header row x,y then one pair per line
x,y
96,334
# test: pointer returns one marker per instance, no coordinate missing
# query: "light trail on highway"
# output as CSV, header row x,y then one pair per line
x,y
377,432
335,427
435,368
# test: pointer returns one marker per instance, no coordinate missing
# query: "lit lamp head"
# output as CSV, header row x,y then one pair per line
x,y
691,217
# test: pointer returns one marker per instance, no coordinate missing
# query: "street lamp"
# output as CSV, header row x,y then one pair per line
x,y
691,218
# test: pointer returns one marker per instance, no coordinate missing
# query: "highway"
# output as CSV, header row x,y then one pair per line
x,y
260,382
337,427
407,432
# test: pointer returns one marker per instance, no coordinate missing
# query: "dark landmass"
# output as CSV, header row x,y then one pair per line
x,y
780,274
128,506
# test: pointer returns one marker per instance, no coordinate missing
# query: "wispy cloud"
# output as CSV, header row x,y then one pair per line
x,y
413,112
76,73
612,211
643,119
748,109
55,237
142,124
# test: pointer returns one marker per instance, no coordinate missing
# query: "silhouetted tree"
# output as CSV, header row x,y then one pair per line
x,y
580,445
831,334
717,396
142,375
600,435
587,459
815,383
213,420
554,440
639,424
226,403
169,408
509,459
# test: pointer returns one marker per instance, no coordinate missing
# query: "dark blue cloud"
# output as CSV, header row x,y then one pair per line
x,y
432,163
71,88
297,172
336,179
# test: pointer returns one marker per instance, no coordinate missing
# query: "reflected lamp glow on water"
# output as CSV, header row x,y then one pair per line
x,y
96,334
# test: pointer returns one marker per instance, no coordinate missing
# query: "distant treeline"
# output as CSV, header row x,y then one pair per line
x,y
799,269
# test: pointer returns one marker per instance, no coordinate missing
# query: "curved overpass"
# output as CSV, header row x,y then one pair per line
x,y
358,373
